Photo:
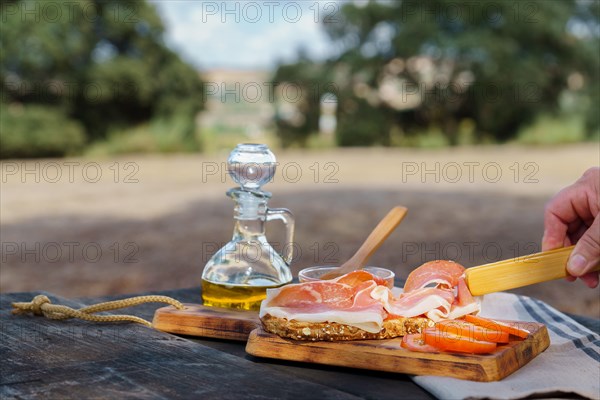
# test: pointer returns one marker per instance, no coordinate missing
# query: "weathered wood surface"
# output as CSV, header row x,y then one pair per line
x,y
210,322
75,359
389,356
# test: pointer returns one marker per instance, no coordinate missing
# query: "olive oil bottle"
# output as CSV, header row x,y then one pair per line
x,y
239,274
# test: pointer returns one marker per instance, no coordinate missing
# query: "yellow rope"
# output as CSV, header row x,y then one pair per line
x,y
41,305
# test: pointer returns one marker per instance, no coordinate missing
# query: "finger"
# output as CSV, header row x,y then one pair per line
x,y
568,208
586,254
576,225
570,278
577,234
558,214
590,279
555,231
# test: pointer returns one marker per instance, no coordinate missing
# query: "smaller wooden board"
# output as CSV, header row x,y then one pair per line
x,y
212,322
388,355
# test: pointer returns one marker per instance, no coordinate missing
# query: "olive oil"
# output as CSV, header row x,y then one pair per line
x,y
242,297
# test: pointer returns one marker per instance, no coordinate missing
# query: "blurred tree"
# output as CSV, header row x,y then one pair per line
x,y
34,131
301,118
102,64
416,65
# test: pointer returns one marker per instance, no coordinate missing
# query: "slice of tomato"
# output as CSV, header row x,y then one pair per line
x,y
464,328
498,326
414,342
451,342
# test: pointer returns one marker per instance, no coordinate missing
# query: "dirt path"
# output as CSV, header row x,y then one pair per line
x,y
82,227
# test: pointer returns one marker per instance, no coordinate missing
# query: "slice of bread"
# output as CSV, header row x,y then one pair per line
x,y
333,331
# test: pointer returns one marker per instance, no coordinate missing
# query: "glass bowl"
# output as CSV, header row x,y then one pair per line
x,y
312,274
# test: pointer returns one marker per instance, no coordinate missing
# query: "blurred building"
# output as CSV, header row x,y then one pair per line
x,y
237,102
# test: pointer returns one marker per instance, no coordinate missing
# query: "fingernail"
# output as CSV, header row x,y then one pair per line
x,y
577,264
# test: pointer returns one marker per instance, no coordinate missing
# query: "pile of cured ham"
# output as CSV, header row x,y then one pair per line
x,y
435,312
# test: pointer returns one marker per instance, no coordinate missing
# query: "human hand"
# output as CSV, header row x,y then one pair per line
x,y
572,216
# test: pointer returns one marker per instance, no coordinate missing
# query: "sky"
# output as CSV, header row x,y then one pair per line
x,y
245,34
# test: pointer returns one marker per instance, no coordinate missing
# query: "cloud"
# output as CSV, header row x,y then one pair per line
x,y
236,34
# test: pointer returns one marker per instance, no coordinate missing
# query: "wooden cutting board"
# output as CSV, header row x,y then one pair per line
x,y
380,355
212,322
387,355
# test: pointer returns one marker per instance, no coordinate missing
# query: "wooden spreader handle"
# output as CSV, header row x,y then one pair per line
x,y
519,271
375,239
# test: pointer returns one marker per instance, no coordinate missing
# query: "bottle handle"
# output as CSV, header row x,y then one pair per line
x,y
287,217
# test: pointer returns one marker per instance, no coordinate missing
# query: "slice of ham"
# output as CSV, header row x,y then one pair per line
x,y
449,277
345,300
360,299
464,303
312,294
355,278
463,295
419,302
439,272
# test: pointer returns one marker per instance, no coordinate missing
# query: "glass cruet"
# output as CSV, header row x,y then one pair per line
x,y
238,275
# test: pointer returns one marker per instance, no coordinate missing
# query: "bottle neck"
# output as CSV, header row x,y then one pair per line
x,y
249,213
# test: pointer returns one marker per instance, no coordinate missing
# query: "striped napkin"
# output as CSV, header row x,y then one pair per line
x,y
571,365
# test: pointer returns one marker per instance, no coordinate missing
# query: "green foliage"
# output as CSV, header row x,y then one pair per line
x,y
38,131
592,117
102,63
363,125
160,135
549,129
414,66
220,140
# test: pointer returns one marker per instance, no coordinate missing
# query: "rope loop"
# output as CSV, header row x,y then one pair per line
x,y
41,305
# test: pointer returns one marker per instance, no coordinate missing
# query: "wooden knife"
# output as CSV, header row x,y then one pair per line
x,y
519,271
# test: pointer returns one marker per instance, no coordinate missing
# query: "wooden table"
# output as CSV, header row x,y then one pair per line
x,y
77,359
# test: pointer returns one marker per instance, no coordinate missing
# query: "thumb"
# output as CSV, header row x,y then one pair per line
x,y
586,254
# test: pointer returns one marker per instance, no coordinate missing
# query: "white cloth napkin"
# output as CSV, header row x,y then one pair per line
x,y
570,365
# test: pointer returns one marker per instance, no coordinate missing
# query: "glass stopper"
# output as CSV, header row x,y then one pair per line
x,y
251,165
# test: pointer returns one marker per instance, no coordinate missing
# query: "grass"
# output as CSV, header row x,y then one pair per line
x,y
430,139
159,136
